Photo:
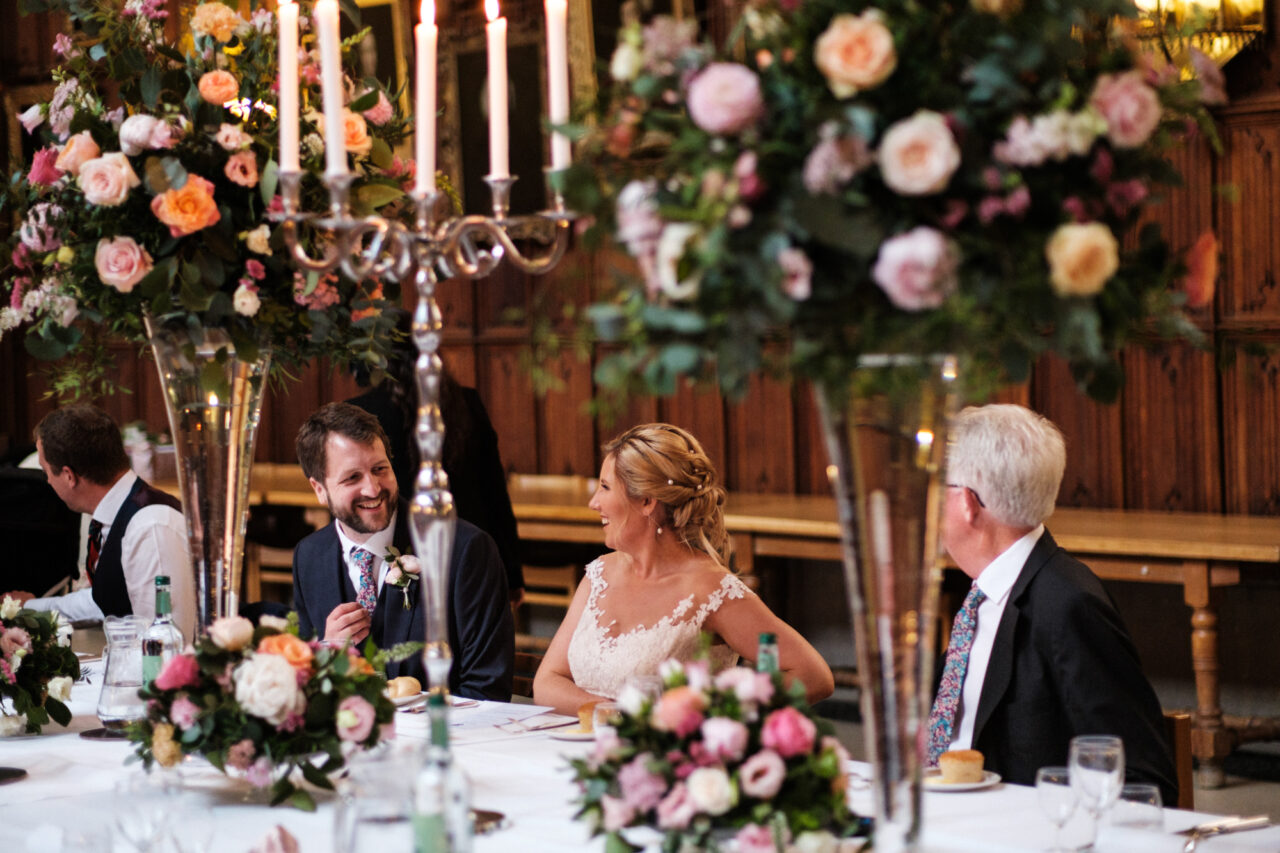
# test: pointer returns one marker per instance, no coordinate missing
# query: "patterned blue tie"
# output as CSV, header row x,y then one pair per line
x,y
367,593
942,720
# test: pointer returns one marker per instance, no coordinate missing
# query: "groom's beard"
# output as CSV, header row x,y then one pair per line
x,y
364,520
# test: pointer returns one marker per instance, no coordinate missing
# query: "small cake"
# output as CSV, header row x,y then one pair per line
x,y
960,766
405,685
584,716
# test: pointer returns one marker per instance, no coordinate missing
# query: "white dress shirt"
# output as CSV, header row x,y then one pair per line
x,y
154,543
996,582
377,544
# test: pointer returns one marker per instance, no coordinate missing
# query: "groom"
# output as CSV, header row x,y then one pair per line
x,y
339,572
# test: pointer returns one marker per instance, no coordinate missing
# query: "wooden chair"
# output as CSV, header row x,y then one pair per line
x,y
545,586
1177,728
265,565
526,667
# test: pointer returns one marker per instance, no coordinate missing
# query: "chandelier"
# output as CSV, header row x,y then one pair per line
x,y
1218,28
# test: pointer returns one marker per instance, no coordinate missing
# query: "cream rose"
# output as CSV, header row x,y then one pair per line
x,y
267,687
231,138
626,62
80,149
819,841
856,52
60,688
12,724
121,263
10,608
672,245
107,180
258,240
1082,257
710,790
232,633
246,301
918,155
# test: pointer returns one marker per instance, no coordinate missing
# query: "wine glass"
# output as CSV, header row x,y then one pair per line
x,y
1057,799
1139,807
1097,771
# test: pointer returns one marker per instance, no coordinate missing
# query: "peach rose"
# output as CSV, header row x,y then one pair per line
x,y
189,209
856,52
1131,108
121,263
1081,258
918,155
107,180
242,169
215,19
218,87
80,149
1202,271
355,133
289,647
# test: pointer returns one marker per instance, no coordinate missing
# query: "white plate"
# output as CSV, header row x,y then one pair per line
x,y
401,701
572,734
933,782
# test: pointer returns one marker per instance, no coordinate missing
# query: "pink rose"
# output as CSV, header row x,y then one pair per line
x,y
761,775
641,788
380,113
856,52
44,169
181,671
121,262
13,639
797,271
355,718
617,813
231,138
747,684
788,732
1130,107
754,838
676,809
80,149
724,739
136,133
917,270
918,155
255,269
107,180
218,87
184,712
241,754
725,98
242,169
679,710
1202,271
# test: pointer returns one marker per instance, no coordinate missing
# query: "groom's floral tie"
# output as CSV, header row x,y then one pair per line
x,y
943,718
367,592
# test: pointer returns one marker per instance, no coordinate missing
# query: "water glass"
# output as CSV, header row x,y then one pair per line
x,y
374,812
1139,807
1057,798
604,718
1097,771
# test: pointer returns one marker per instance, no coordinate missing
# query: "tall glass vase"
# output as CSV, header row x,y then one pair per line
x,y
886,439
213,395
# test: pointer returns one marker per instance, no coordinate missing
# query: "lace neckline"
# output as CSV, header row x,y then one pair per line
x,y
729,585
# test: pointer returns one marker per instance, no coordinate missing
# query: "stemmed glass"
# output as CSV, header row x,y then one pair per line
x,y
1097,771
1057,800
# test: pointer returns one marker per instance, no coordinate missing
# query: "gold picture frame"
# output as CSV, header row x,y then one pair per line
x,y
20,144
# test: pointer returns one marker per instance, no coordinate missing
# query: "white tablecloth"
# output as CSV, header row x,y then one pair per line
x,y
71,782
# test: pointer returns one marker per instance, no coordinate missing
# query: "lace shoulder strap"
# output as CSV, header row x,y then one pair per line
x,y
595,576
731,587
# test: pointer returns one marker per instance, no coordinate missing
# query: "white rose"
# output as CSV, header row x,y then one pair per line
x,y
246,301
10,608
672,245
710,790
60,688
669,669
626,62
631,700
815,842
918,155
268,621
15,658
135,133
257,239
231,633
12,724
267,687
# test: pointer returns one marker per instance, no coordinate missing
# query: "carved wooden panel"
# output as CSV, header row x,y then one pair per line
x,y
566,434
762,439
701,412
1095,470
1251,430
1248,227
503,383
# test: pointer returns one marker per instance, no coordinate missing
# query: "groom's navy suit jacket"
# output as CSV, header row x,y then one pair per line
x,y
481,633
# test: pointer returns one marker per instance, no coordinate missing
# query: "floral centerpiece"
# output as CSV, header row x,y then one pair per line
x,y
706,761
37,668
264,702
154,186
878,177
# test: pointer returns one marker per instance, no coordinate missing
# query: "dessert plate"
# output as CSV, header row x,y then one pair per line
x,y
575,733
933,782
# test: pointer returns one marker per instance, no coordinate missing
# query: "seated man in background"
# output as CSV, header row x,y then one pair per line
x,y
1049,658
339,572
136,531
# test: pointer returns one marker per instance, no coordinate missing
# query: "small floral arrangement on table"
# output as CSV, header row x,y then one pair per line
x,y
154,185
731,756
264,702
884,176
37,668
404,570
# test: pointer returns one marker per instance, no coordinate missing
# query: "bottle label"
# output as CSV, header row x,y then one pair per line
x,y
151,665
767,659
429,834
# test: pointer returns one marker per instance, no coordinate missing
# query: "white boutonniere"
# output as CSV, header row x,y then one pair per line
x,y
404,570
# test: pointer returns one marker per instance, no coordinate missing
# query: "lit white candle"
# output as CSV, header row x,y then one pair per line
x,y
558,79
335,148
426,35
496,32
288,102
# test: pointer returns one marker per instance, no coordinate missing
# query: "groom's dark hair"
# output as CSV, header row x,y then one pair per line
x,y
346,420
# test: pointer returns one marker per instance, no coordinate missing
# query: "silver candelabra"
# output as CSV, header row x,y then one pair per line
x,y
381,248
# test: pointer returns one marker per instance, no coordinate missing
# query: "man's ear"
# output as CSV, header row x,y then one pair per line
x,y
322,494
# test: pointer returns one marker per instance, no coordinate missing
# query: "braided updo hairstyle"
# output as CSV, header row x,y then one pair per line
x,y
664,462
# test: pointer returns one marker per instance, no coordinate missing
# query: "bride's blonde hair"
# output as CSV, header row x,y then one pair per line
x,y
666,463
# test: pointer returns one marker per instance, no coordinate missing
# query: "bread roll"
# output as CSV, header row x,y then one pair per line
x,y
584,716
960,766
405,685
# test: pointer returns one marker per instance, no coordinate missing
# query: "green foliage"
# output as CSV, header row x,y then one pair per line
x,y
27,669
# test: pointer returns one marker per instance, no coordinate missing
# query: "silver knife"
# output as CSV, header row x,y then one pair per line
x,y
1222,826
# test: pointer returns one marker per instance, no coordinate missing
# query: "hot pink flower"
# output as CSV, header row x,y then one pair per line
x,y
679,710
184,712
761,775
917,270
181,671
641,788
725,98
788,732
1131,108
355,718
255,269
676,809
44,169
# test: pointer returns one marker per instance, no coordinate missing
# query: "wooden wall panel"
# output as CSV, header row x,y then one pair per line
x,y
1095,471
810,449
701,412
1251,431
566,430
504,386
1248,227
762,439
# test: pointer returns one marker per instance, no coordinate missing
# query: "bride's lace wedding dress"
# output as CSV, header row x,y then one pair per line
x,y
601,664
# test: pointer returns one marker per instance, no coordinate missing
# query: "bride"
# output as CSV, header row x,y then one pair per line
x,y
664,581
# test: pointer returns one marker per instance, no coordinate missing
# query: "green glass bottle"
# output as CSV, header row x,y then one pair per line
x,y
767,653
162,639
442,791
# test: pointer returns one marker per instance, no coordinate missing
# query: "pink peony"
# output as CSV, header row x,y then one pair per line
x,y
747,684
137,133
679,710
44,169
676,809
184,712
240,754
724,739
181,671
121,262
797,272
788,732
617,813
917,270
355,718
242,169
641,787
1130,107
725,98
107,180
918,155
761,775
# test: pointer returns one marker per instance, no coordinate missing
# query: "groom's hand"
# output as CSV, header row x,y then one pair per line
x,y
348,621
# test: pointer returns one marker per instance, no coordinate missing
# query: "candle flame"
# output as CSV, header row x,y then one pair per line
x,y
491,9
427,13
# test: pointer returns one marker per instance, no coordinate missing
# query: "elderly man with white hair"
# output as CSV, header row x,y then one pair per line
x,y
1038,653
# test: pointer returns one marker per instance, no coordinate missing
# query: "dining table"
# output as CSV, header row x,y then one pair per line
x,y
76,788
